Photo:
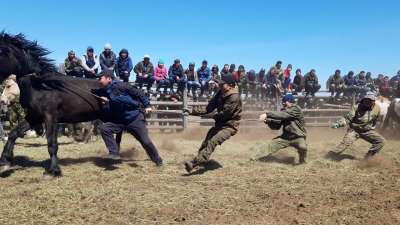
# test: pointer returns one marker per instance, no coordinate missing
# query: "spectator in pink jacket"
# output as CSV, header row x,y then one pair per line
x,y
161,76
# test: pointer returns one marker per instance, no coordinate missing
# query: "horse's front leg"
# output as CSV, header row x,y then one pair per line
x,y
52,145
8,154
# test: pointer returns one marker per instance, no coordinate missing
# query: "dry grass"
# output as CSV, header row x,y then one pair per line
x,y
93,191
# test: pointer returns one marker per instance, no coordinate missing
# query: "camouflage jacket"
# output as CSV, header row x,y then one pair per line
x,y
292,121
228,106
361,120
71,64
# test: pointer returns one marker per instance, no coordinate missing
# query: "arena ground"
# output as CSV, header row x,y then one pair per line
x,y
231,190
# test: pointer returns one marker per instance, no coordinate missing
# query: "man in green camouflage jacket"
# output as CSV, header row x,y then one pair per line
x,y
228,105
294,134
361,121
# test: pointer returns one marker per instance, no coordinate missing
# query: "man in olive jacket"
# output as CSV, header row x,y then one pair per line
x,y
294,134
228,105
361,121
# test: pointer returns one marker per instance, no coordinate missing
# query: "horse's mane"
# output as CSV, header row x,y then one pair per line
x,y
32,48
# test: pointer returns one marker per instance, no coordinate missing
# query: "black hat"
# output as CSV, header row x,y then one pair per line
x,y
90,49
227,79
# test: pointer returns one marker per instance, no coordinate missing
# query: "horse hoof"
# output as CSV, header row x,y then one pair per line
x,y
5,168
50,176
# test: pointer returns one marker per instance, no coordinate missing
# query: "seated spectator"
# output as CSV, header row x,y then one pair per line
x,y
278,70
123,66
273,84
213,85
287,80
107,58
335,84
261,88
251,84
73,66
241,79
192,80
161,76
204,74
311,83
395,84
298,82
232,70
144,73
287,71
361,84
370,82
225,70
177,75
90,63
386,88
349,84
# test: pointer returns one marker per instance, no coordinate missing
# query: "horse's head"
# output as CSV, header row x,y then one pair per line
x,y
9,63
21,56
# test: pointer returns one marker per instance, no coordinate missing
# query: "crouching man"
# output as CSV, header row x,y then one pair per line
x,y
294,133
229,108
361,121
122,106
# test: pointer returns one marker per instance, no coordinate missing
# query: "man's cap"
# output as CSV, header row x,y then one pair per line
x,y
369,95
177,61
204,62
90,49
288,98
71,52
227,79
161,61
107,46
146,56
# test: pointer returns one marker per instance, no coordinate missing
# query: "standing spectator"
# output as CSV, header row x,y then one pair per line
x,y
312,85
204,74
90,63
177,75
161,76
73,66
123,66
335,84
145,73
225,70
298,82
192,80
107,58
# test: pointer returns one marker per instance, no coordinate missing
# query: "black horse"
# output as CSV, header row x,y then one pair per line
x,y
47,96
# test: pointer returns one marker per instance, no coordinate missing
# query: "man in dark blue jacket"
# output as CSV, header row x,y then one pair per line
x,y
176,74
123,104
204,74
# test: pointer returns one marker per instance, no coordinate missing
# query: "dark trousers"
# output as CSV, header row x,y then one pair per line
x,y
138,129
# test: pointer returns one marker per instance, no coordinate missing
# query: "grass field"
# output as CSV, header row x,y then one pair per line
x,y
230,190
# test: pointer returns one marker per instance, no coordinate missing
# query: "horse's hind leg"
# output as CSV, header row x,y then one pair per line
x,y
8,153
52,145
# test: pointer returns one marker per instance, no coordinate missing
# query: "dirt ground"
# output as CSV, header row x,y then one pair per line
x,y
230,190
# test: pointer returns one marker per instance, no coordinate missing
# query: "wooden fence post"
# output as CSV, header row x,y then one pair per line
x,y
184,107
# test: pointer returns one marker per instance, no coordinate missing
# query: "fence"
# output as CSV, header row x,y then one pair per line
x,y
168,115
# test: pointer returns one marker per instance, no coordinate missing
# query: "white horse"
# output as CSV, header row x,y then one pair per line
x,y
393,114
